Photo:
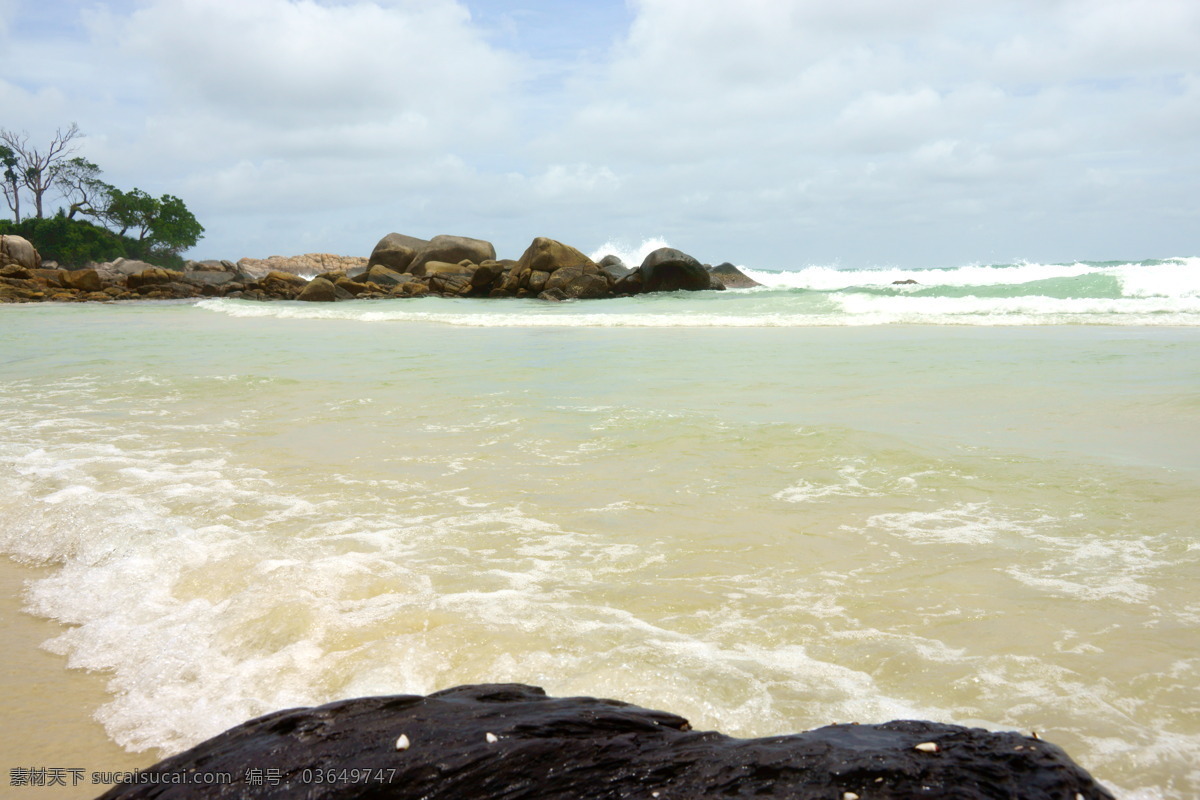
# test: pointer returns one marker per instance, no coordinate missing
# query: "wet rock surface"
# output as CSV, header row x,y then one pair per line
x,y
512,741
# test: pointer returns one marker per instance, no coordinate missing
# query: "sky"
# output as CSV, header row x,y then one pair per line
x,y
769,133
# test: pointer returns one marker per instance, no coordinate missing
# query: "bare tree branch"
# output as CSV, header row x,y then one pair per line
x,y
36,168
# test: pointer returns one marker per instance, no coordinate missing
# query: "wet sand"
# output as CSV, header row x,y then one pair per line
x,y
48,706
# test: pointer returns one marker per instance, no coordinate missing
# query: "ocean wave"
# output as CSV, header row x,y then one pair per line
x,y
630,255
1174,277
788,311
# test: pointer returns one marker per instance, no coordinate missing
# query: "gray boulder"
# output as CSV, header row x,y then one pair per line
x,y
396,251
152,276
732,278
210,265
629,284
669,270
615,267
582,282
127,266
451,249
489,273
19,251
208,278
84,280
382,276
321,290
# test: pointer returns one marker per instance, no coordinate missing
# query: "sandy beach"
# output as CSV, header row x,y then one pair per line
x,y
50,705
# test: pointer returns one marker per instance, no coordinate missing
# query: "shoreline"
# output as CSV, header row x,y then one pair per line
x,y
54,703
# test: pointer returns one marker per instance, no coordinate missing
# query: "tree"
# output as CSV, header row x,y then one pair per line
x,y
164,224
36,168
12,180
133,209
79,182
164,227
174,228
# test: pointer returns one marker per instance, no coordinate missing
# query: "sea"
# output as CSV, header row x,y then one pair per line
x,y
966,494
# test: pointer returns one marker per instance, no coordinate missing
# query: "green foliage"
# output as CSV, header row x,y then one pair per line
x,y
10,179
164,224
75,242
174,229
164,227
78,180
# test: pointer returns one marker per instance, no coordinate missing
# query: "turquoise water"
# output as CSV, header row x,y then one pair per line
x,y
765,526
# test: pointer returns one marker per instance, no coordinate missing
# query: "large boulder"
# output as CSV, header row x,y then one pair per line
x,y
581,282
210,265
285,285
513,742
451,284
615,267
125,266
446,268
396,251
84,280
355,288
321,290
543,257
204,278
451,249
489,273
153,276
669,270
548,255
50,277
732,278
629,284
19,251
383,276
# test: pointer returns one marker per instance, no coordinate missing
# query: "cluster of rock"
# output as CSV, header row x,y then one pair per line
x,y
307,264
399,266
459,266
512,741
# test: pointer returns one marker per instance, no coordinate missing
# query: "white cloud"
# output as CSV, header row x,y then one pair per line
x,y
565,181
284,65
725,127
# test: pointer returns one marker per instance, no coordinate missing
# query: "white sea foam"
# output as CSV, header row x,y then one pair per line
x,y
1090,567
855,310
1177,277
213,575
630,255
854,479
962,523
827,278
1030,309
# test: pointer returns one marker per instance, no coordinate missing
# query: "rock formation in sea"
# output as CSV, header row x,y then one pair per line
x,y
512,741
399,266
732,277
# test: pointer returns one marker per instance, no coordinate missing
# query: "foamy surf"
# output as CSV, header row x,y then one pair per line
x,y
1152,293
764,530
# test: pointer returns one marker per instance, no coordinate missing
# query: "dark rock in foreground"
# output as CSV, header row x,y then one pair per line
x,y
511,741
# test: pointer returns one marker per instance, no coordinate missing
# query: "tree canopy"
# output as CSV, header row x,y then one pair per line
x,y
140,225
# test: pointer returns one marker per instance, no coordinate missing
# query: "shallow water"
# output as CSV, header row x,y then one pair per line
x,y
248,506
